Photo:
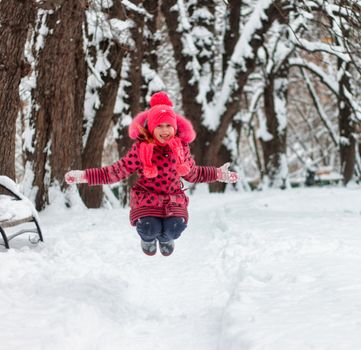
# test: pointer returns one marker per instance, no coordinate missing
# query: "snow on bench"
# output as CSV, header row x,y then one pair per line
x,y
16,209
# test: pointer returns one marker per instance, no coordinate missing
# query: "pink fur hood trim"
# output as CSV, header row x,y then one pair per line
x,y
185,129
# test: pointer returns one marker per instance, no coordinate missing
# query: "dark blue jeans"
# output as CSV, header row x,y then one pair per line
x,y
163,229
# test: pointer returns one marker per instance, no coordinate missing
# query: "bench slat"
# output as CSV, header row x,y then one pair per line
x,y
11,223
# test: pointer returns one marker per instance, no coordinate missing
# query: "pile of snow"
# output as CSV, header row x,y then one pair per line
x,y
11,208
261,270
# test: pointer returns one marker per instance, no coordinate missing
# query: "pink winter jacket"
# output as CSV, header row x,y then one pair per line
x,y
161,196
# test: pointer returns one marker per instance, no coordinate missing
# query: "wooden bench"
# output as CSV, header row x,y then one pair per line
x,y
15,209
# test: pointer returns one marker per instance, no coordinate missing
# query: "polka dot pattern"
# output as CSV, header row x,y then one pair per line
x,y
167,181
162,195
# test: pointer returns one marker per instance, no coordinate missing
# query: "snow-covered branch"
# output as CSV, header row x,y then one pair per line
x,y
326,121
329,82
256,97
309,46
139,9
315,69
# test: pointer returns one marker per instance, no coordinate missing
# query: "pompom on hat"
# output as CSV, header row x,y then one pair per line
x,y
161,111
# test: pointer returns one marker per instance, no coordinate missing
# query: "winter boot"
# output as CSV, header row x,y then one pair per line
x,y
149,248
166,248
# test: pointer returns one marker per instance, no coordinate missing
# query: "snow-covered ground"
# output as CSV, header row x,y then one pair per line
x,y
263,270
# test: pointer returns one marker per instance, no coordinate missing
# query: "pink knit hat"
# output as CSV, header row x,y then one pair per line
x,y
161,111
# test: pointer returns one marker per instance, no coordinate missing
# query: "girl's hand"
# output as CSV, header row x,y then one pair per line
x,y
224,175
75,177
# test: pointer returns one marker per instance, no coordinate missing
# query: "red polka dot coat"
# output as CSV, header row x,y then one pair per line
x,y
161,196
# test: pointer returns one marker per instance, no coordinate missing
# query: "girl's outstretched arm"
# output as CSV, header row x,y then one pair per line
x,y
208,173
120,170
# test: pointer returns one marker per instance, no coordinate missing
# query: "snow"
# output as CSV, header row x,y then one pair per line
x,y
153,80
258,270
183,16
280,104
11,209
262,132
138,9
204,14
43,30
107,4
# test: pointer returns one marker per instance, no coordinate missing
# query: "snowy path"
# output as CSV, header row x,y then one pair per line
x,y
274,270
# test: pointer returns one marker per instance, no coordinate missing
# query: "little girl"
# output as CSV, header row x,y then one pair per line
x,y
161,156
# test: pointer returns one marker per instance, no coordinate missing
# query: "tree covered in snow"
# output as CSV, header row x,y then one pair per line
x,y
316,66
337,25
55,99
107,30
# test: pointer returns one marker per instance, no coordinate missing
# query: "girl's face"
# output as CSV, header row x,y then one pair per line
x,y
164,132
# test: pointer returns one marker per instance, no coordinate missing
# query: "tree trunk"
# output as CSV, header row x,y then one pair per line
x,y
59,98
189,91
15,19
346,125
151,47
93,151
124,143
136,85
275,107
231,37
232,33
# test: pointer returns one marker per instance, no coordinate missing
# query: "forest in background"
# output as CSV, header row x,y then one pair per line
x,y
272,86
